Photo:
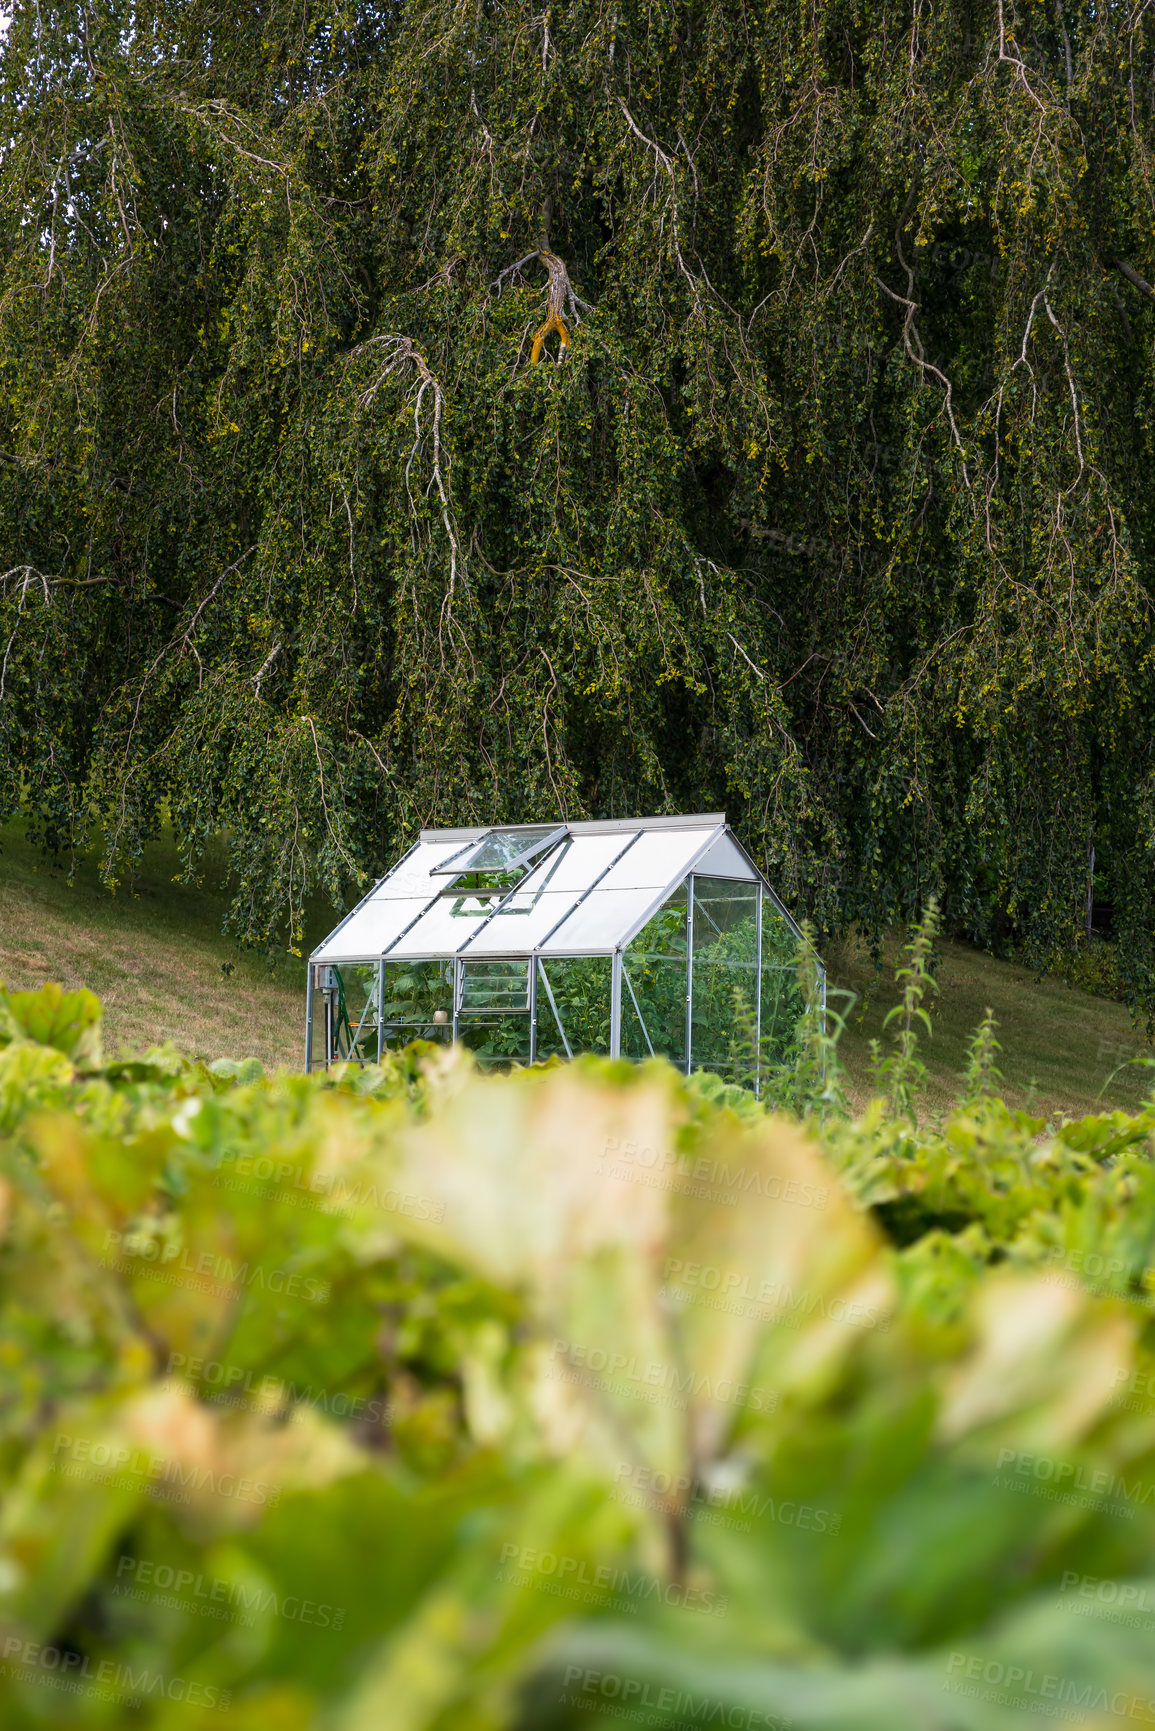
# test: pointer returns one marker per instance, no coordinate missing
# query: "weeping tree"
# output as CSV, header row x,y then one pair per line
x,y
440,413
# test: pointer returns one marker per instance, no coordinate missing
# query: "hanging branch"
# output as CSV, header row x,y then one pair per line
x,y
402,352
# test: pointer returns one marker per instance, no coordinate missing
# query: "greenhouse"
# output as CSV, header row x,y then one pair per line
x,y
630,937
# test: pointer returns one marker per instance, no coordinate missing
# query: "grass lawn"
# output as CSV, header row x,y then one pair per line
x,y
155,954
1060,1045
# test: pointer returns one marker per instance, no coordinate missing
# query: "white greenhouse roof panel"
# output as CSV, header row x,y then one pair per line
x,y
659,859
370,929
600,922
524,924
442,928
578,863
411,876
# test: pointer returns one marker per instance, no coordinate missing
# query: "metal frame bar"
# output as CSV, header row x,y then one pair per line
x,y
309,1017
824,1027
330,1029
689,968
438,871
533,1010
758,1002
380,1008
586,826
616,1004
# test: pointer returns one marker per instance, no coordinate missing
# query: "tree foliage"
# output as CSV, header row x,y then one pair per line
x,y
834,507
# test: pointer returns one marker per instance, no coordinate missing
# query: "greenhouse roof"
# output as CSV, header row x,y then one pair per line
x,y
560,889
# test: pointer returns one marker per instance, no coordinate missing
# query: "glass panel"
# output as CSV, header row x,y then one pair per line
x,y
601,921
418,1002
345,1009
654,965
779,939
657,858
371,929
494,986
577,864
782,1010
782,1001
411,876
444,928
501,847
581,988
492,1019
525,922
496,1039
724,982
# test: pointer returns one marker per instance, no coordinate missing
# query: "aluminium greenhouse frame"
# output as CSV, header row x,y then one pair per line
x,y
632,937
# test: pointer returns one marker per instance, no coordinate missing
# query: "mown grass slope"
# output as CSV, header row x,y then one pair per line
x,y
156,955
154,952
1063,1050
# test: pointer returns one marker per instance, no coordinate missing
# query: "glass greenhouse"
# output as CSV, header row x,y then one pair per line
x,y
629,937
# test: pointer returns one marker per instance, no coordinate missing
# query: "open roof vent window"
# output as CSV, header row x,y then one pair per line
x,y
498,861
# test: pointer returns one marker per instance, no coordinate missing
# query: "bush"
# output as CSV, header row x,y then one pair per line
x,y
408,1398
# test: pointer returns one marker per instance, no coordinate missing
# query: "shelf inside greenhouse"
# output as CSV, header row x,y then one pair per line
x,y
631,937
